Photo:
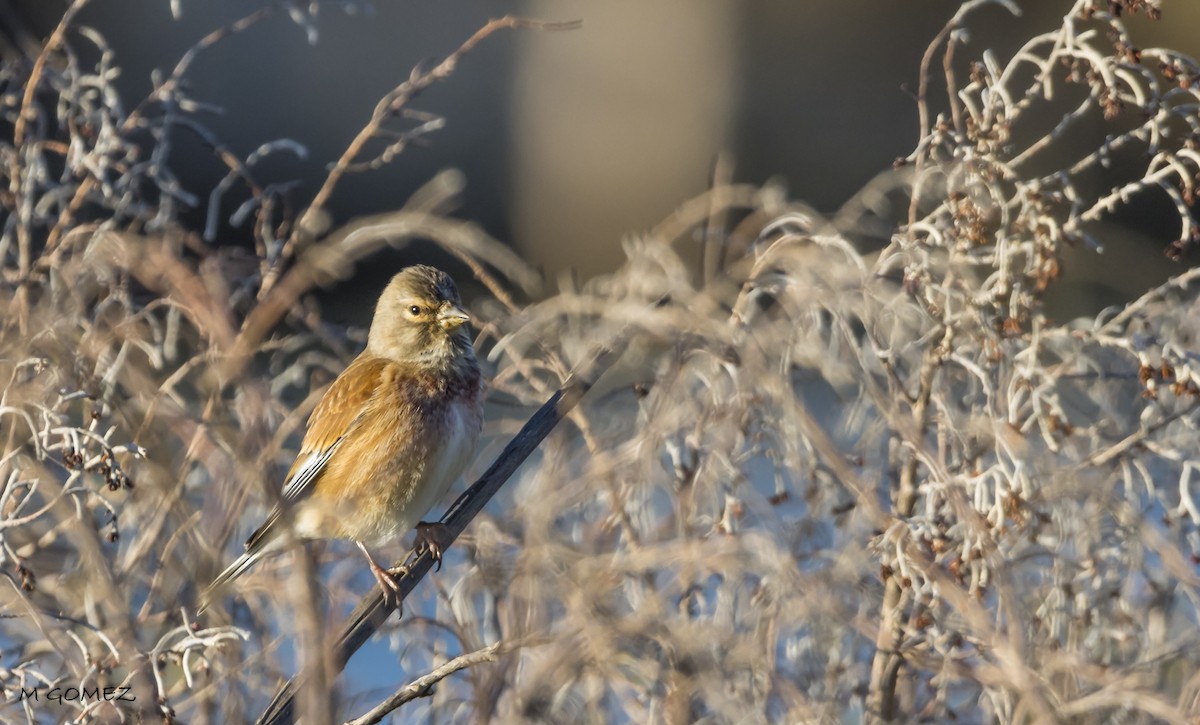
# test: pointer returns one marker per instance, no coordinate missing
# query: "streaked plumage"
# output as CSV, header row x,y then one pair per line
x,y
391,434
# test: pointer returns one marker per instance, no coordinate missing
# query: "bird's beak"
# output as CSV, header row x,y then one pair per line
x,y
451,316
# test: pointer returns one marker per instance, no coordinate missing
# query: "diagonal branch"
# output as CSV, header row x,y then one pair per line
x,y
398,98
423,686
373,611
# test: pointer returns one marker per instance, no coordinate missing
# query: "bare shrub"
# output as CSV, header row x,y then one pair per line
x,y
816,485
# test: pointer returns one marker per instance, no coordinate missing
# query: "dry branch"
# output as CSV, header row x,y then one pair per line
x,y
396,100
423,686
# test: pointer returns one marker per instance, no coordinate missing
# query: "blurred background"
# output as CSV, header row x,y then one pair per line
x,y
572,141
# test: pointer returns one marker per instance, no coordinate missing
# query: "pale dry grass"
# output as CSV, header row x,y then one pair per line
x,y
816,486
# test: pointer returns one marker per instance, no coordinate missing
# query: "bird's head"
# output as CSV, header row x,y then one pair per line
x,y
419,318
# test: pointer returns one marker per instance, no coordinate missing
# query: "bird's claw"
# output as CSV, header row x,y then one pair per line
x,y
389,582
434,538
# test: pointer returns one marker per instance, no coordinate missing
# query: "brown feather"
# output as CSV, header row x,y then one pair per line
x,y
333,417
341,405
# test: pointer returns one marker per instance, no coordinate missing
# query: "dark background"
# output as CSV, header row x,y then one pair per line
x,y
571,141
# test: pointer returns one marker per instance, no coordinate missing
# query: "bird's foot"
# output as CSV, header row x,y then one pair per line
x,y
434,538
389,580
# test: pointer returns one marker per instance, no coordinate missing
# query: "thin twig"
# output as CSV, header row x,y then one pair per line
x,y
398,98
423,686
944,35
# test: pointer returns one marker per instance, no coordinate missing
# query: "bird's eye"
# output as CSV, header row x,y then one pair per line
x,y
415,310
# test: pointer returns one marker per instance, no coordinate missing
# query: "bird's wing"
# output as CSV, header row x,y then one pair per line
x,y
340,409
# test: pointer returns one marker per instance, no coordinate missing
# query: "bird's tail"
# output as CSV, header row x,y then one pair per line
x,y
233,571
263,541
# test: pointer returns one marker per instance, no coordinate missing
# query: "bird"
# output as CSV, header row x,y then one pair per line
x,y
389,436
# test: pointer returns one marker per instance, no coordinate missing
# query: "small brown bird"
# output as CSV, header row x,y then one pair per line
x,y
390,435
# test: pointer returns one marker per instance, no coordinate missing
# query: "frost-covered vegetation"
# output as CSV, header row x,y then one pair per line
x,y
817,485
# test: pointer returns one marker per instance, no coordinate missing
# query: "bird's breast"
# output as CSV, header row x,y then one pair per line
x,y
420,481
460,432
